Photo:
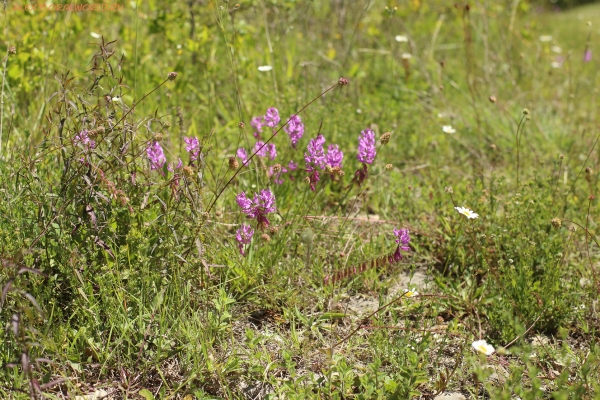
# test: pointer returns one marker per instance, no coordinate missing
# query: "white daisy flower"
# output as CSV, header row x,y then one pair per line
x,y
410,292
483,347
401,38
545,38
466,212
556,49
448,129
406,56
265,68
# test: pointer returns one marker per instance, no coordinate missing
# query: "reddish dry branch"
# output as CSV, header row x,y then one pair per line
x,y
360,268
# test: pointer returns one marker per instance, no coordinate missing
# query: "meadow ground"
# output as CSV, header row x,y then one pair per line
x,y
299,199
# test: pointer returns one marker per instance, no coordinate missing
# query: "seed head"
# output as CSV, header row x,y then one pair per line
x,y
448,189
265,237
389,167
572,228
241,125
556,222
561,156
307,180
158,137
233,163
172,76
276,168
492,99
385,138
337,171
343,81
591,197
167,124
525,111
588,170
12,50
273,229
188,171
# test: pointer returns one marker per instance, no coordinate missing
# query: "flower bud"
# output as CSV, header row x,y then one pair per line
x,y
172,76
389,167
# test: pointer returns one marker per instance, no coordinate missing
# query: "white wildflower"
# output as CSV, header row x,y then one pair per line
x,y
483,347
448,129
466,212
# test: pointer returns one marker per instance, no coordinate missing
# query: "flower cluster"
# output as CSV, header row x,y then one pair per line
x,y
366,146
315,156
192,146
244,236
84,139
156,155
270,119
295,129
258,208
402,238
265,150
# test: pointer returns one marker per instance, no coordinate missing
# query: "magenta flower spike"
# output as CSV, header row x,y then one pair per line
x,y
192,146
366,146
258,208
295,129
402,238
244,237
272,117
156,155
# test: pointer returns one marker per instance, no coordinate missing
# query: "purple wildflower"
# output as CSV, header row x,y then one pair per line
x,y
156,155
314,178
272,117
244,236
242,155
587,56
84,138
192,147
179,165
271,150
260,149
295,129
316,154
366,146
262,204
257,123
278,178
402,238
334,156
292,165
265,150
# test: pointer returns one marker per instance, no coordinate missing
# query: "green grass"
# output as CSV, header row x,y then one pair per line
x,y
120,278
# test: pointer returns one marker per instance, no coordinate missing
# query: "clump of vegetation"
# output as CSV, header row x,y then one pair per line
x,y
298,199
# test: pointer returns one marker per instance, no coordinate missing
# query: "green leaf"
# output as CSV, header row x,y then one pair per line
x,y
145,393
